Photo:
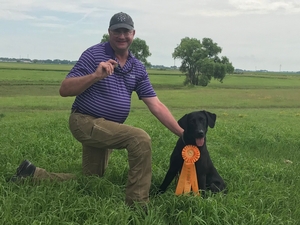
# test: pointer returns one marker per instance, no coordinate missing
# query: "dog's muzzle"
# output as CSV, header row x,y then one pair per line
x,y
200,134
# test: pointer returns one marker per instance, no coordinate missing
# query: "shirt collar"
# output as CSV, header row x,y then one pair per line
x,y
127,68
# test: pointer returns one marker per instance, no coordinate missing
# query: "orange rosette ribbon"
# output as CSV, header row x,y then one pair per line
x,y
188,178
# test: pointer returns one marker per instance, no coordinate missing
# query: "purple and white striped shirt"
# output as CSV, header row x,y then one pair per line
x,y
110,98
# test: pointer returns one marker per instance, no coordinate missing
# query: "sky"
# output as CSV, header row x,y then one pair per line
x,y
253,34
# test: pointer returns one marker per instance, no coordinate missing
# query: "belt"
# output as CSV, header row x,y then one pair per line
x,y
76,111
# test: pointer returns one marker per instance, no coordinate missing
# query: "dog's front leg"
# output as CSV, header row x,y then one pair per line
x,y
202,183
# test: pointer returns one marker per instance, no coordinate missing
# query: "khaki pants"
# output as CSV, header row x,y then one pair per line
x,y
98,137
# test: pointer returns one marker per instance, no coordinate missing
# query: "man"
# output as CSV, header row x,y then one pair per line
x,y
103,80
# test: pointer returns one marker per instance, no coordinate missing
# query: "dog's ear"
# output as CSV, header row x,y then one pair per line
x,y
183,122
211,119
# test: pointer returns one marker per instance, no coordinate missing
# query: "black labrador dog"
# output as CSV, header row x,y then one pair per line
x,y
195,125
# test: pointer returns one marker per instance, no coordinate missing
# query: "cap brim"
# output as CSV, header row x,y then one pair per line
x,y
121,25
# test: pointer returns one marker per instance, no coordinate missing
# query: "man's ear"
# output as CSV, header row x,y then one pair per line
x,y
183,122
211,119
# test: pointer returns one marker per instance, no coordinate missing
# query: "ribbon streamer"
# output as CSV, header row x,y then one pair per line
x,y
188,178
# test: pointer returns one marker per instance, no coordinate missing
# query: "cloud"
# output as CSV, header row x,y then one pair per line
x,y
248,31
29,7
14,15
25,9
266,6
215,8
49,25
50,18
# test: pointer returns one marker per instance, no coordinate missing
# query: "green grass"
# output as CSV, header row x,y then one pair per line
x,y
256,132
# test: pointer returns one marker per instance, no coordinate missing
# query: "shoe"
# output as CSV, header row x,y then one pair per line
x,y
25,169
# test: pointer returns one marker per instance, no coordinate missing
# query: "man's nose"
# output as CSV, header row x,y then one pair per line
x,y
121,34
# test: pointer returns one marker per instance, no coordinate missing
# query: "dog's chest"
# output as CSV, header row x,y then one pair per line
x,y
201,164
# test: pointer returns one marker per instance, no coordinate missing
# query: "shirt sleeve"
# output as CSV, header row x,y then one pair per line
x,y
144,87
84,66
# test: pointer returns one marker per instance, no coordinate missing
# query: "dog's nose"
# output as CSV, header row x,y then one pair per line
x,y
200,133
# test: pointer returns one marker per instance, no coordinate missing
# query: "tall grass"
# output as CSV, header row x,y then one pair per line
x,y
254,145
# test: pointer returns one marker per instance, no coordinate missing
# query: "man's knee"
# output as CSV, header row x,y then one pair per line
x,y
142,138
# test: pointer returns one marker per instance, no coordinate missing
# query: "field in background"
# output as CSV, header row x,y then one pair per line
x,y
255,146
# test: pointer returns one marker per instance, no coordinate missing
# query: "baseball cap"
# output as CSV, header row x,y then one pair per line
x,y
121,20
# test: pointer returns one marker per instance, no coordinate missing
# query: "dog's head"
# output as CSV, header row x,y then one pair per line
x,y
195,125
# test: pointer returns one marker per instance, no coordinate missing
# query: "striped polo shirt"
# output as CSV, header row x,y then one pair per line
x,y
110,97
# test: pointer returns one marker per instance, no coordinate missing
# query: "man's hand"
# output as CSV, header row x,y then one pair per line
x,y
105,69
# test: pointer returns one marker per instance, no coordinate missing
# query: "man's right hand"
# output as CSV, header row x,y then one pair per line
x,y
105,69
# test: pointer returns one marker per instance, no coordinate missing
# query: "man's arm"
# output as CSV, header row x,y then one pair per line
x,y
72,86
162,113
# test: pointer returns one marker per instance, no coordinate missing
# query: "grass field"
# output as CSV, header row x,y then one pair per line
x,y
254,145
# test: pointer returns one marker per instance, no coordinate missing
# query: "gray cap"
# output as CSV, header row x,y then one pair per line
x,y
121,20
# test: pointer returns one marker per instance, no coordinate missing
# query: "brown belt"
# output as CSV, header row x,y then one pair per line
x,y
76,111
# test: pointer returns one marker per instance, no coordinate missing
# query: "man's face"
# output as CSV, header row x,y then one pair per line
x,y
120,39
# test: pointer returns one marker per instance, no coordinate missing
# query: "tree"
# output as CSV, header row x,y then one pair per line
x,y
105,38
138,48
200,61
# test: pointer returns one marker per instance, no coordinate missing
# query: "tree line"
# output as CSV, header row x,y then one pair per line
x,y
45,61
200,60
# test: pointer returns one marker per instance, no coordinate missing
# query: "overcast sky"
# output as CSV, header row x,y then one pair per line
x,y
253,34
